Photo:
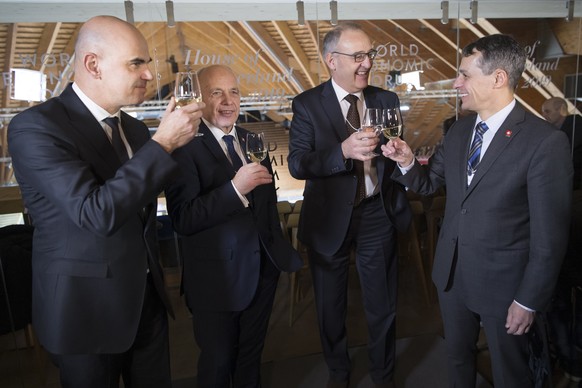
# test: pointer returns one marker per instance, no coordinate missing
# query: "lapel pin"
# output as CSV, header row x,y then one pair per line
x,y
508,133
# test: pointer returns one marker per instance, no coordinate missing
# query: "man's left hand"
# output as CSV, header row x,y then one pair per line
x,y
519,320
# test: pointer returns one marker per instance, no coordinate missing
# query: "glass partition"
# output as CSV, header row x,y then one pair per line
x,y
277,59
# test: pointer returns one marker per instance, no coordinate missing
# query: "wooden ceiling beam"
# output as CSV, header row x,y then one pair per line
x,y
262,38
10,54
47,41
315,41
296,51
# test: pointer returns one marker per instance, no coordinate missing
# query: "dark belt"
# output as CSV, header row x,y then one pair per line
x,y
370,198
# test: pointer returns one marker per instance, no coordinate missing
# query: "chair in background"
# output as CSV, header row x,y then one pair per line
x,y
284,208
410,246
434,218
295,294
170,253
16,286
297,206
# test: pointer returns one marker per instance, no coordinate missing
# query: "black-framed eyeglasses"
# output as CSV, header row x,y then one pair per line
x,y
360,57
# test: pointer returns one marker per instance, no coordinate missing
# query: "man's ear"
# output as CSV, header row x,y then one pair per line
x,y
330,61
91,64
501,78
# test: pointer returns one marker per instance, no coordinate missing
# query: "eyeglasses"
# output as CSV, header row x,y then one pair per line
x,y
360,57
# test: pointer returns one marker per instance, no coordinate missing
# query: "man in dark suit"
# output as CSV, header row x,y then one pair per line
x,y
508,177
99,304
555,111
565,315
336,215
226,210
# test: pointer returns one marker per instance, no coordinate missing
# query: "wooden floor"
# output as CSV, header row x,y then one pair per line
x,y
292,356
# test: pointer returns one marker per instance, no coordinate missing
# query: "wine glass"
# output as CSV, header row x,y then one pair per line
x,y
187,90
372,123
256,147
391,123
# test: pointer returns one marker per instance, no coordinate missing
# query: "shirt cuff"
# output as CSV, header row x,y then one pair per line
x,y
243,199
523,307
404,170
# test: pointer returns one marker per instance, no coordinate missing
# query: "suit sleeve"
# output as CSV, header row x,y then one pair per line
x,y
549,193
48,162
195,206
310,157
421,180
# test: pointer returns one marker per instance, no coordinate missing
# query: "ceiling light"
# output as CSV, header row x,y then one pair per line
x,y
445,9
170,13
570,8
474,11
333,7
129,11
300,13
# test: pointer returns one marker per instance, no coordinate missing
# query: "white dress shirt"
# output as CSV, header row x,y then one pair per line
x,y
370,173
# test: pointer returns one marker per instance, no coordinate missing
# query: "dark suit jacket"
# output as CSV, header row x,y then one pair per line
x,y
572,126
223,240
94,223
315,154
510,226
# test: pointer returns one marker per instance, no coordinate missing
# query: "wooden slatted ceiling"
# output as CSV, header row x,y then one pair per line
x,y
286,44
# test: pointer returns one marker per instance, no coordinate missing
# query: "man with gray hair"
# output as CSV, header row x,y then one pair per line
x,y
350,202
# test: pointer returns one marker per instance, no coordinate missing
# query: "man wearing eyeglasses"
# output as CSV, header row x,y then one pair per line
x,y
350,202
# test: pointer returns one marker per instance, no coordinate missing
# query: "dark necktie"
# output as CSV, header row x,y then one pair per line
x,y
475,150
353,123
116,140
234,158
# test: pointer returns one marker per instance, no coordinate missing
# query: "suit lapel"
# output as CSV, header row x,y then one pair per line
x,y
214,148
504,135
332,109
89,129
242,140
134,135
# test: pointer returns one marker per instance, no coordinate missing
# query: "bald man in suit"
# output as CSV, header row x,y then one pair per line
x,y
99,303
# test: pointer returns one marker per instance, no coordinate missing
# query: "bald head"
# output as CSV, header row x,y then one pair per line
x,y
555,110
100,33
111,62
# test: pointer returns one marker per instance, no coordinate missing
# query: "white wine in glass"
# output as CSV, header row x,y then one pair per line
x,y
187,90
391,123
372,123
256,147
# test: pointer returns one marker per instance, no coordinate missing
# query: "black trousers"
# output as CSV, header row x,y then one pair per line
x,y
374,239
231,342
145,364
462,324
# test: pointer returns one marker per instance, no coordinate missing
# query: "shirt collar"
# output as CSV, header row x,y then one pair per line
x,y
341,93
494,122
219,133
98,112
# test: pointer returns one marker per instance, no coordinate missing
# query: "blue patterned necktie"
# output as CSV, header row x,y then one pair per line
x,y
116,140
234,158
475,151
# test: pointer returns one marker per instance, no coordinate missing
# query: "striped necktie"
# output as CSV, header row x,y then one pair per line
x,y
475,150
